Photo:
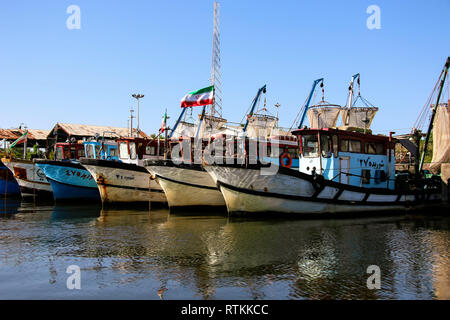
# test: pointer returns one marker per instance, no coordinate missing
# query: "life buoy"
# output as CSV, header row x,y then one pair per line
x,y
283,157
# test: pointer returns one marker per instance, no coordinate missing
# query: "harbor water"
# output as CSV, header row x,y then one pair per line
x,y
141,254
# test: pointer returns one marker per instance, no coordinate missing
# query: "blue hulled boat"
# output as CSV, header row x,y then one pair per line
x,y
8,184
70,181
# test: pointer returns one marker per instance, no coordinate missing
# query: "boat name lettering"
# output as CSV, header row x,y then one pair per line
x,y
371,163
118,176
76,173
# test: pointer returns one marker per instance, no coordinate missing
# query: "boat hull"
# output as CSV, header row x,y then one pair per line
x,y
245,190
69,181
31,179
121,183
187,186
8,184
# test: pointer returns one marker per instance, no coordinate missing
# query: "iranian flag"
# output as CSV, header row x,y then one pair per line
x,y
163,124
200,97
21,139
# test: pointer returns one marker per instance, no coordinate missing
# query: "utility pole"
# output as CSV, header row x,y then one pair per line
x,y
137,97
131,121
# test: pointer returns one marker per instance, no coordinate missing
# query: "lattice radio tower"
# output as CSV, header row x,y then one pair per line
x,y
216,108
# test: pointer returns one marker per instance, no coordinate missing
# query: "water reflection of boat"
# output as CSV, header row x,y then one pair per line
x,y
121,216
9,206
70,212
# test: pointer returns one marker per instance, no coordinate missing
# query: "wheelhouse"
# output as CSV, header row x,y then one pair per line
x,y
132,150
66,151
349,157
69,151
101,150
222,148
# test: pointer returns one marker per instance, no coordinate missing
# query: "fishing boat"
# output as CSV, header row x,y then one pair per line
x,y
126,181
31,179
341,170
185,182
69,180
8,184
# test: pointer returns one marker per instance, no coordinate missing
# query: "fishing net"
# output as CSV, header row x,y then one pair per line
x,y
360,117
441,138
324,115
261,125
210,125
184,129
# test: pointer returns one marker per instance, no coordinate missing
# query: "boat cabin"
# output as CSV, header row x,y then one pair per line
x,y
348,157
89,149
281,150
69,151
135,150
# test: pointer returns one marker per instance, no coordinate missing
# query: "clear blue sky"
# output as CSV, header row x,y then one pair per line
x,y
162,49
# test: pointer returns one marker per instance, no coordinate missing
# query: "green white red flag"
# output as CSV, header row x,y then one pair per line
x,y
20,140
200,97
163,124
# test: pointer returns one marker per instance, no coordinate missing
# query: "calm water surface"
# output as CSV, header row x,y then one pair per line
x,y
127,254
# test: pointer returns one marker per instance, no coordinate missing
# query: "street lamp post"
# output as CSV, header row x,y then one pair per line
x,y
137,97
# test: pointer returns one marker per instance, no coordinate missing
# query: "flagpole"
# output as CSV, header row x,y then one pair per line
x,y
165,136
25,146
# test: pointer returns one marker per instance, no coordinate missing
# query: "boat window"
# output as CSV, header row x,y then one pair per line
x,y
89,151
73,153
59,153
335,145
310,146
325,146
187,153
66,153
98,152
351,146
80,153
123,150
374,147
140,150
112,152
150,150
132,150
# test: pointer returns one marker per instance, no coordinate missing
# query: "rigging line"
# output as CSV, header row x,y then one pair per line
x,y
425,108
298,114
424,111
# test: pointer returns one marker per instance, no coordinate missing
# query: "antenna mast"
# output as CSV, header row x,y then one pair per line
x,y
216,108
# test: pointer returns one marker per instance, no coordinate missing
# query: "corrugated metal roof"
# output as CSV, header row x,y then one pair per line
x,y
91,130
38,134
33,134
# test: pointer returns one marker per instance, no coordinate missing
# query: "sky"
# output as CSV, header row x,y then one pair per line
x,y
162,49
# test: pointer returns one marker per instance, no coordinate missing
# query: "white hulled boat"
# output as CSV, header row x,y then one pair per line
x,y
126,181
342,170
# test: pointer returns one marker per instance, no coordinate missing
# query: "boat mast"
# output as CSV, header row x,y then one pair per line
x,y
254,103
433,114
216,107
315,83
350,90
350,97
